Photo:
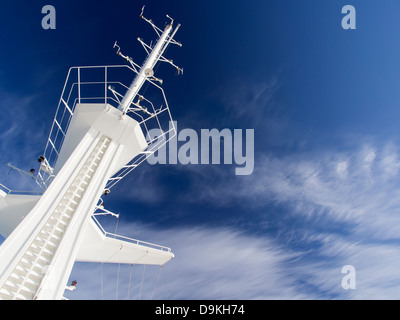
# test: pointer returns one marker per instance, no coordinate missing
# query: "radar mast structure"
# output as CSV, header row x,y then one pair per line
x,y
94,142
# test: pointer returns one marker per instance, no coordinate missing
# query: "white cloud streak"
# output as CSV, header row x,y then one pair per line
x,y
359,187
22,136
209,263
356,190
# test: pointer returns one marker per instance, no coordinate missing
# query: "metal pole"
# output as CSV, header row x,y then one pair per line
x,y
146,70
79,85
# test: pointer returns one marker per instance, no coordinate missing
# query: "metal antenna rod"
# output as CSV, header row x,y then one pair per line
x,y
146,70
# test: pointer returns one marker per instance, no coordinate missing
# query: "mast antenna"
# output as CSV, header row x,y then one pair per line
x,y
155,54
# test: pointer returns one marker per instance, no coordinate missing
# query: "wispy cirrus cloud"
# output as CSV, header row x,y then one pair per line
x,y
224,263
248,99
24,128
209,263
22,132
338,206
359,185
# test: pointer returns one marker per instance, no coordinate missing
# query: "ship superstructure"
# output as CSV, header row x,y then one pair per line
x,y
100,133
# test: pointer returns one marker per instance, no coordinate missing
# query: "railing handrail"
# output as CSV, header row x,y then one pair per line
x,y
74,91
16,192
135,241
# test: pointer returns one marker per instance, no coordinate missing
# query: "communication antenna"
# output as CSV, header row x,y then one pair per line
x,y
155,54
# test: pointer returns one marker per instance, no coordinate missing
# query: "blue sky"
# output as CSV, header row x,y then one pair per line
x,y
323,103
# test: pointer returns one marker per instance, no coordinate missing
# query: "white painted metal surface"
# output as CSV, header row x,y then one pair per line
x,y
13,209
101,246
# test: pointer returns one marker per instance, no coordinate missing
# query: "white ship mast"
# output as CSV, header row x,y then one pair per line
x,y
154,56
91,147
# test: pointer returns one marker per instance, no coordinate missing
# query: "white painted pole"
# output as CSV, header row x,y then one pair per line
x,y
146,70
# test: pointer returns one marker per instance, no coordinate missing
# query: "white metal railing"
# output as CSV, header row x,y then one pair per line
x,y
10,191
108,84
134,241
5,189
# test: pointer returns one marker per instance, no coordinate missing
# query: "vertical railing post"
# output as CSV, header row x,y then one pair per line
x,y
105,85
79,85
